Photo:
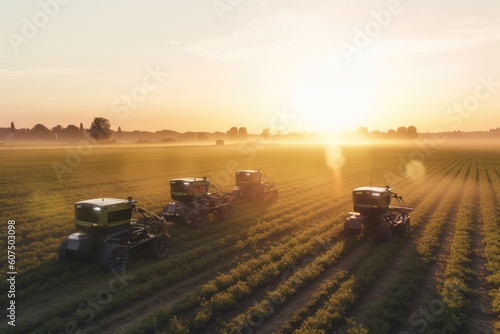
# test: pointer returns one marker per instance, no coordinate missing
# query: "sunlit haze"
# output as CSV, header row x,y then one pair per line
x,y
208,65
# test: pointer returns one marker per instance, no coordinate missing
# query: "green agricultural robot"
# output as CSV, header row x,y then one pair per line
x,y
253,185
196,201
111,227
372,208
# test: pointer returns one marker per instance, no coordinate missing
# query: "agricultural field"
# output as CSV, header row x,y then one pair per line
x,y
283,267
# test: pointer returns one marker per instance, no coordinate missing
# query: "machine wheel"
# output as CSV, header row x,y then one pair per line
x,y
64,256
256,196
274,196
403,229
406,228
225,212
347,230
350,231
384,232
160,246
114,257
200,219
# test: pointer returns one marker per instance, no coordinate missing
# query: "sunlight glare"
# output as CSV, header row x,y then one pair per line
x,y
334,158
332,96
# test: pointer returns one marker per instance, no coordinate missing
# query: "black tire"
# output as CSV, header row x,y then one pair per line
x,y
347,230
403,229
200,219
406,228
384,232
64,255
275,196
160,246
114,257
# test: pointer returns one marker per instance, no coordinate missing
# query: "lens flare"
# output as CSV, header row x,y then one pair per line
x,y
334,157
415,170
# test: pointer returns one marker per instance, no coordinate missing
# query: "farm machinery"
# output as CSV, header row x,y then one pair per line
x,y
372,206
253,185
196,201
111,227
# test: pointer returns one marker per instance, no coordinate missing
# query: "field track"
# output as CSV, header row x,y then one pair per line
x,y
284,267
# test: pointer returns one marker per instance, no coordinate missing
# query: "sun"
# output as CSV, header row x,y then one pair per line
x,y
333,96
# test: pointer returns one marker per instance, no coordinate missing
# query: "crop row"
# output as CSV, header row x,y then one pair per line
x,y
214,300
225,290
298,211
337,304
239,287
262,309
184,241
490,212
454,292
278,291
184,261
390,311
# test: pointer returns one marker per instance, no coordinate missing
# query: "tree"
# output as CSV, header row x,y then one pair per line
x,y
402,131
266,133
72,132
362,131
40,131
119,133
233,133
391,132
12,129
81,127
202,136
57,131
242,133
411,131
100,129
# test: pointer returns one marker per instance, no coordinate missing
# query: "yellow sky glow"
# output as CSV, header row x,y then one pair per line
x,y
202,66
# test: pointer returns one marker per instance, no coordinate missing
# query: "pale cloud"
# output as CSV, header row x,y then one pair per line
x,y
285,30
262,37
463,34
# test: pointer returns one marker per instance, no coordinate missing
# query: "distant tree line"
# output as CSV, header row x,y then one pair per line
x,y
402,132
100,131
41,132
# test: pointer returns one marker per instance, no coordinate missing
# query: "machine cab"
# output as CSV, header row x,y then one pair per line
x,y
371,200
103,215
187,190
250,177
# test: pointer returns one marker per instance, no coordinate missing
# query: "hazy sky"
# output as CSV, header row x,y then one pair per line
x,y
289,65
